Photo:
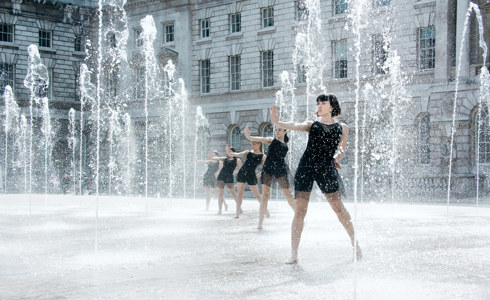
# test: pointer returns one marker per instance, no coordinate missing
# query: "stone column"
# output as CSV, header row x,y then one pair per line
x,y
461,10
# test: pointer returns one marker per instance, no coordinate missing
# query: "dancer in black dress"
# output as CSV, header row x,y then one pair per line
x,y
246,174
327,141
209,180
274,168
225,178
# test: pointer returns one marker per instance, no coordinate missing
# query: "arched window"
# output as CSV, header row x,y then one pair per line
x,y
482,136
236,139
424,140
267,130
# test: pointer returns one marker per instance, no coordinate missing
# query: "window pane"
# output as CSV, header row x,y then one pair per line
x,y
235,72
6,33
427,43
6,76
267,68
235,21
340,6
205,76
340,56
236,139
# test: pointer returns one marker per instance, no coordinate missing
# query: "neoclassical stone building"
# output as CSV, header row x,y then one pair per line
x,y
399,78
394,69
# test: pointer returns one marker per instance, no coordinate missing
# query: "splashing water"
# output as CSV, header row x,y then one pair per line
x,y
11,125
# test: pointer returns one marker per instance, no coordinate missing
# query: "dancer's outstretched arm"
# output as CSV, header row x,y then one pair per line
x,y
236,154
259,139
274,113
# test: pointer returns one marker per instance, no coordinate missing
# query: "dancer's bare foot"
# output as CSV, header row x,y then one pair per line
x,y
358,253
291,261
236,217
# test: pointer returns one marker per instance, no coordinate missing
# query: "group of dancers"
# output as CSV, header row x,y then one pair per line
x,y
327,144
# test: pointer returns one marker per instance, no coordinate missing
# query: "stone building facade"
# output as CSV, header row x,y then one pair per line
x,y
400,79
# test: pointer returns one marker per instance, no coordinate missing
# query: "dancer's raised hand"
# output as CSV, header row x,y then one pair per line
x,y
274,113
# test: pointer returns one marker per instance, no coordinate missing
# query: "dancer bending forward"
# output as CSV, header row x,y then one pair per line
x,y
274,168
327,142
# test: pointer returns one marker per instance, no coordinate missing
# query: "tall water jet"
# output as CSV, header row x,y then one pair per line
x,y
148,36
24,143
484,92
11,125
200,124
128,130
72,145
87,96
37,81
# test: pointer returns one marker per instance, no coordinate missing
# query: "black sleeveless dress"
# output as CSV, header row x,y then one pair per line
x,y
226,173
247,171
209,177
316,164
274,163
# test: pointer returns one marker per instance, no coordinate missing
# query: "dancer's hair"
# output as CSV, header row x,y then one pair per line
x,y
336,111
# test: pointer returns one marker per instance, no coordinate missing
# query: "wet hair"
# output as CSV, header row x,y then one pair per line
x,y
232,149
333,102
286,138
261,146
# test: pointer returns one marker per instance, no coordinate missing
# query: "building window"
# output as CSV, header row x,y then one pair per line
x,y
236,22
267,68
427,48
236,138
267,131
380,3
111,81
482,136
340,57
45,38
380,55
111,40
235,72
267,16
140,80
169,33
340,7
6,77
205,28
424,140
301,10
301,73
6,33
79,44
138,37
205,72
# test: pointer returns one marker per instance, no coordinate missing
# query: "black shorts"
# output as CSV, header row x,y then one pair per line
x,y
209,181
283,180
248,177
325,175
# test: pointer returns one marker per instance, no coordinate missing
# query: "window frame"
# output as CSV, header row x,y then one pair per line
x,y
7,33
138,41
169,36
235,22
340,65
340,7
380,55
381,3
267,16
205,28
425,60
45,39
205,76
267,68
10,80
235,72
302,12
236,138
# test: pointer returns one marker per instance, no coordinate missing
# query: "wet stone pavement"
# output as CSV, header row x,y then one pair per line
x,y
56,248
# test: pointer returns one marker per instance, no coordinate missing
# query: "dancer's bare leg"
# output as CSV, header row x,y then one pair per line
x,y
221,199
290,198
344,218
240,190
266,192
231,189
255,190
208,196
297,228
217,191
